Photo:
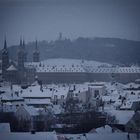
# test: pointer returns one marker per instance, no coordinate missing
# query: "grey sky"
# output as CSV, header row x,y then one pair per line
x,y
44,19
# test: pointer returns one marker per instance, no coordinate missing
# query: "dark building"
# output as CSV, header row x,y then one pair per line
x,y
12,74
25,53
36,53
21,60
17,72
21,57
5,59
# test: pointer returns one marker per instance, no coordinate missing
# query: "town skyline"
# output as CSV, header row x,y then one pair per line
x,y
85,18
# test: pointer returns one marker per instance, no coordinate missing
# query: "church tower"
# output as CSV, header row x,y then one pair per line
x,y
36,53
25,53
5,59
21,60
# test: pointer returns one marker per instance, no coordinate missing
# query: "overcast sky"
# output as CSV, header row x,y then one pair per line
x,y
44,19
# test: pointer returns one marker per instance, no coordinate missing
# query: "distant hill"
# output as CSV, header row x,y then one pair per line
x,y
111,50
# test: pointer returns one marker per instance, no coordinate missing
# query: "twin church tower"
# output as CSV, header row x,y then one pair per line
x,y
10,69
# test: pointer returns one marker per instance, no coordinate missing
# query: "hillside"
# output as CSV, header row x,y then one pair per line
x,y
111,50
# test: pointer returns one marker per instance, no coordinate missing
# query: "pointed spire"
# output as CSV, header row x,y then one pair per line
x,y
20,41
36,44
5,43
23,43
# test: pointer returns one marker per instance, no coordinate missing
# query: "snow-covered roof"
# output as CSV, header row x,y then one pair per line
x,y
96,87
114,70
57,65
29,136
75,65
108,98
79,88
30,109
122,116
96,136
105,130
132,86
38,102
9,98
11,68
35,92
4,97
63,91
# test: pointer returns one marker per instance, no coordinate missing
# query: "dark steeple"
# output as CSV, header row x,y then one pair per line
x,y
20,57
21,60
23,44
36,45
36,53
5,43
5,58
25,53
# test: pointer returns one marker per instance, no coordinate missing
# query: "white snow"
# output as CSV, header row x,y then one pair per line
x,y
105,130
29,136
122,116
4,127
11,68
96,136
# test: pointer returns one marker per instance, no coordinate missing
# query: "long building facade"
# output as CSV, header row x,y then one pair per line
x,y
78,73
62,70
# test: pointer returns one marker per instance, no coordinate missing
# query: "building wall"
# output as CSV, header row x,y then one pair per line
x,y
12,76
30,75
79,77
82,96
60,77
96,90
22,114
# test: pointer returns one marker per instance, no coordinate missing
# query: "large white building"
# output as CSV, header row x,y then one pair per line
x,y
77,71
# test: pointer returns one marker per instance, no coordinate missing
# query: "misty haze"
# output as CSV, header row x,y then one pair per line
x,y
70,69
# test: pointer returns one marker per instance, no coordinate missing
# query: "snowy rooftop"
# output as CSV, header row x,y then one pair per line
x,y
114,70
122,116
29,136
11,68
54,136
30,109
57,65
36,92
105,130
96,136
132,86
76,65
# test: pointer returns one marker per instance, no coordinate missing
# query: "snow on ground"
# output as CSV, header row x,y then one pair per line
x,y
95,136
29,136
4,128
54,136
